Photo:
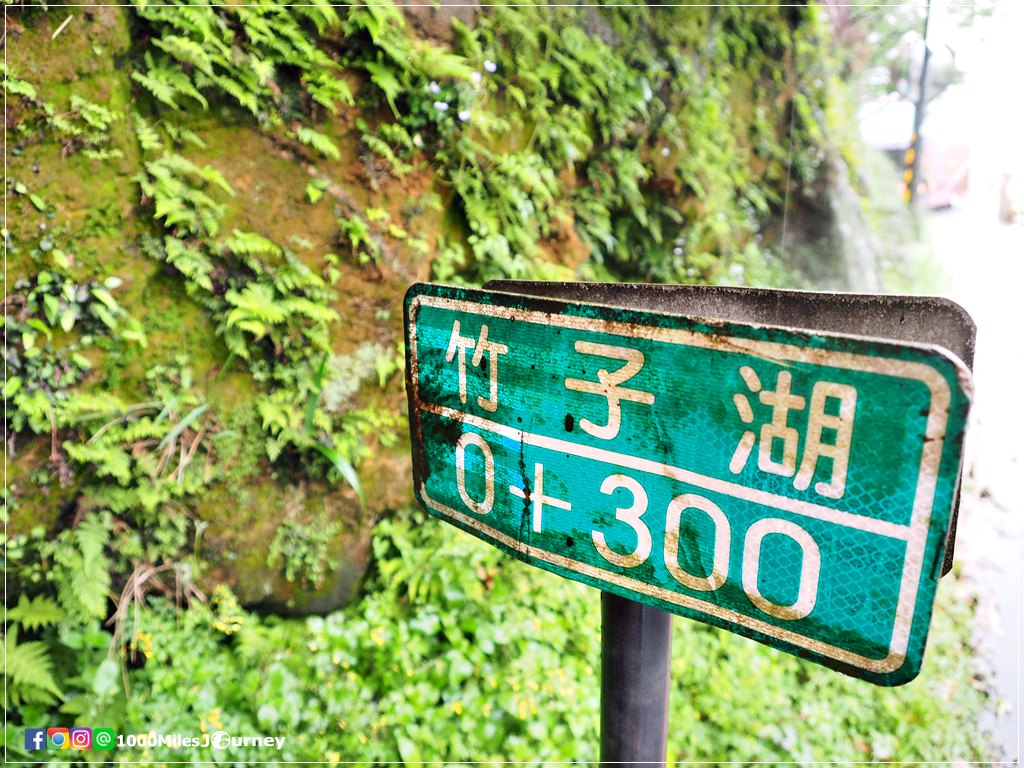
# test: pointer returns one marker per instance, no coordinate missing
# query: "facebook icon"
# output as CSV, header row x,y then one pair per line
x,y
35,738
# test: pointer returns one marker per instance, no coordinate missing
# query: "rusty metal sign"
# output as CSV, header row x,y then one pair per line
x,y
795,487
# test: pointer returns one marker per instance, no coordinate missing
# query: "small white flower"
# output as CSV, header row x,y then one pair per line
x,y
490,66
434,87
476,77
464,115
441,106
677,251
664,151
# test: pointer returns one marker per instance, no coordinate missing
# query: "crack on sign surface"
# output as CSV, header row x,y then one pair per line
x,y
525,523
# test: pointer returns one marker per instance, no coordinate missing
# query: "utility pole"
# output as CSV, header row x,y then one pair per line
x,y
912,157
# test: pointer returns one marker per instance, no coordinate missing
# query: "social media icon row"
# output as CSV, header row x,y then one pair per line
x,y
69,738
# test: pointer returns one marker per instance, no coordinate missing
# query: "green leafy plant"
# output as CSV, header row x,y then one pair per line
x,y
55,324
28,668
241,53
364,247
302,549
319,142
178,189
509,655
81,569
315,190
28,673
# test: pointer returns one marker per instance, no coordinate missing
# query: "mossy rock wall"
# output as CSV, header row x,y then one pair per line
x,y
214,214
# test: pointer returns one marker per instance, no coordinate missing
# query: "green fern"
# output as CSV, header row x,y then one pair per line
x,y
278,411
239,92
357,232
238,50
81,569
95,115
381,148
35,613
311,310
256,308
328,91
15,86
32,407
187,51
319,142
106,458
28,673
146,135
167,83
177,188
190,261
315,190
249,244
293,276
181,136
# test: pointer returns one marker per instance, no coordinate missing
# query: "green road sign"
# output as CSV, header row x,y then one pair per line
x,y
790,486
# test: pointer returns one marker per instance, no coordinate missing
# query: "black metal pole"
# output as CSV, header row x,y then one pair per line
x,y
635,651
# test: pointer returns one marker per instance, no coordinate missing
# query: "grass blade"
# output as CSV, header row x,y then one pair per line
x,y
182,425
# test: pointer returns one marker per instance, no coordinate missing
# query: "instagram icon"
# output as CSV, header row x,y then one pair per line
x,y
81,738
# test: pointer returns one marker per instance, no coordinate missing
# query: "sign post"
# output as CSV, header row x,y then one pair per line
x,y
636,643
792,485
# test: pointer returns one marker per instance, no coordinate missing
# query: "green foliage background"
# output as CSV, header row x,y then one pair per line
x,y
213,216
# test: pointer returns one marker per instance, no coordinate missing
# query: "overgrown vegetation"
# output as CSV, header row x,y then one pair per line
x,y
214,214
456,653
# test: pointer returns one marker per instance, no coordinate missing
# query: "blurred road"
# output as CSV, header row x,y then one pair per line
x,y
984,260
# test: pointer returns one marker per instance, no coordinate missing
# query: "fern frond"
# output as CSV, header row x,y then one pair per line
x,y
107,459
84,406
318,313
81,569
383,76
236,341
96,115
262,68
278,414
18,87
293,276
246,98
191,262
251,244
29,673
167,83
380,147
255,302
35,613
321,13
34,407
328,91
185,50
213,176
439,64
318,141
